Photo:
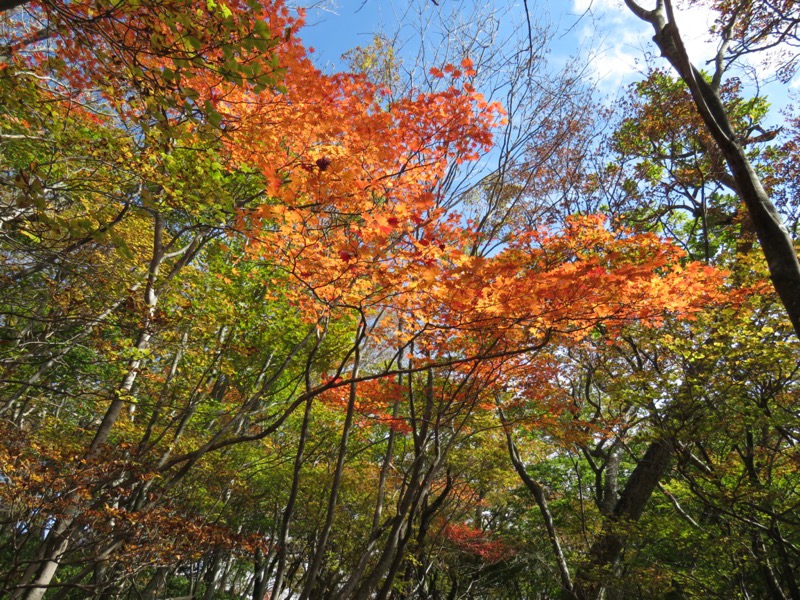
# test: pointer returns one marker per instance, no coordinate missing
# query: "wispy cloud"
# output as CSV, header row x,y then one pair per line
x,y
622,45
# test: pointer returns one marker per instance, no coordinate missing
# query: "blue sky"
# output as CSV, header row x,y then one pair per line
x,y
335,26
617,38
617,44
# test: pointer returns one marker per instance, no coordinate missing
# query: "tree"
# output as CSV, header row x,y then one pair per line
x,y
677,179
772,234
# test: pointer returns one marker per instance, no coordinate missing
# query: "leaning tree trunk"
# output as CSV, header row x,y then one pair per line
x,y
312,575
607,549
776,243
537,490
58,541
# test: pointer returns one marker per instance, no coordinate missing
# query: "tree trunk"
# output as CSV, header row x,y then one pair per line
x,y
151,591
58,542
6,5
57,549
316,561
283,535
411,503
774,237
142,342
261,580
606,550
535,488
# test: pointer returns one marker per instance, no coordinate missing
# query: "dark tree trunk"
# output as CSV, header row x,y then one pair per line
x,y
606,550
11,4
776,243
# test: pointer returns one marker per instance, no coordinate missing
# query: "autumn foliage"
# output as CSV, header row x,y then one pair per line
x,y
249,346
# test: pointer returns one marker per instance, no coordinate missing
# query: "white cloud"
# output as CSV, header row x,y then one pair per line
x,y
622,43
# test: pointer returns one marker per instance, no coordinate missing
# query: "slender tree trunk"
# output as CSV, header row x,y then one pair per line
x,y
611,479
766,570
157,581
316,562
395,540
417,490
55,551
283,535
536,489
58,541
377,529
212,577
142,342
261,581
788,569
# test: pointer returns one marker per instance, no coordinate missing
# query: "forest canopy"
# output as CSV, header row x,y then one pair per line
x,y
456,329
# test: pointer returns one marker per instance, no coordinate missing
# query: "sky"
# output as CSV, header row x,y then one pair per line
x,y
335,26
618,44
624,40
618,39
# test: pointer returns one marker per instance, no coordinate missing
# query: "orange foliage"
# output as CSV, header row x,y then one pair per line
x,y
161,54
351,207
374,402
478,543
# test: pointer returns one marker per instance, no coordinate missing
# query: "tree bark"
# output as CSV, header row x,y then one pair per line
x,y
6,5
316,562
536,489
58,541
416,489
159,579
142,342
283,535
